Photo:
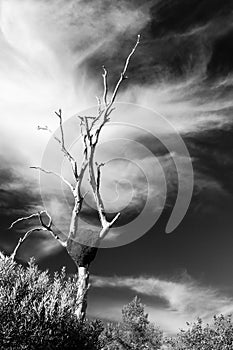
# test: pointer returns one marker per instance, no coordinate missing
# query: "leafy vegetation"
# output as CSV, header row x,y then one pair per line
x,y
37,311
219,336
135,332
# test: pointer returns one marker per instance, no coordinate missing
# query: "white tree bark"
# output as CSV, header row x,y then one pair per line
x,y
83,286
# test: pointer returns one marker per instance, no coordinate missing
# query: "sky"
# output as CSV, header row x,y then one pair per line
x,y
169,145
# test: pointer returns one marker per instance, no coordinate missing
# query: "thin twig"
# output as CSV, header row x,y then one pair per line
x,y
99,105
21,240
122,76
63,147
98,167
2,256
105,81
56,174
22,219
46,128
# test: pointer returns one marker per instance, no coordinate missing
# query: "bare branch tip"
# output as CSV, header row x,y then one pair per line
x,y
58,113
105,70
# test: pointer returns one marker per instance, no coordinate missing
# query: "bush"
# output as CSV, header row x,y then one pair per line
x,y
37,311
134,333
219,336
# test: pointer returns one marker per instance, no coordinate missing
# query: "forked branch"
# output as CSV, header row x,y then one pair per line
x,y
91,139
43,227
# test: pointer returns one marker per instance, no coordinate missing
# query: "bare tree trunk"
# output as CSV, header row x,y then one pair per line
x,y
83,286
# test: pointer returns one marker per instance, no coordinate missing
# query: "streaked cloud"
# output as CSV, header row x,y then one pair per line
x,y
42,47
186,299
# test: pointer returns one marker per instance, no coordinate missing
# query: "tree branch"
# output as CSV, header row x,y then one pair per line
x,y
22,219
105,81
43,227
64,149
98,167
21,240
72,188
90,148
2,256
48,227
122,76
46,128
107,226
62,143
99,105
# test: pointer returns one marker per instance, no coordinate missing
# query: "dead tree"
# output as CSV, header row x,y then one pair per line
x,y
91,128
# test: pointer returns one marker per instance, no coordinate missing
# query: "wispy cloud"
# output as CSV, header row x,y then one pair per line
x,y
43,48
48,55
185,299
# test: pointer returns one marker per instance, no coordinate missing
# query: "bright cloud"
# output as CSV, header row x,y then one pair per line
x,y
186,299
42,49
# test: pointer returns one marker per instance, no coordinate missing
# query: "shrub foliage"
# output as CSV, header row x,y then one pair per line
x,y
38,312
198,336
135,332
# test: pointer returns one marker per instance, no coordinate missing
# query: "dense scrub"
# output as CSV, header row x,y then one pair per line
x,y
218,336
37,311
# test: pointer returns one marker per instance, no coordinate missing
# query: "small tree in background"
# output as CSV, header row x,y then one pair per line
x,y
91,127
135,332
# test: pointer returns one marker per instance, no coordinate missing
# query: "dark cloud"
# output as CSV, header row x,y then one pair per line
x,y
212,155
221,62
19,196
181,37
179,16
